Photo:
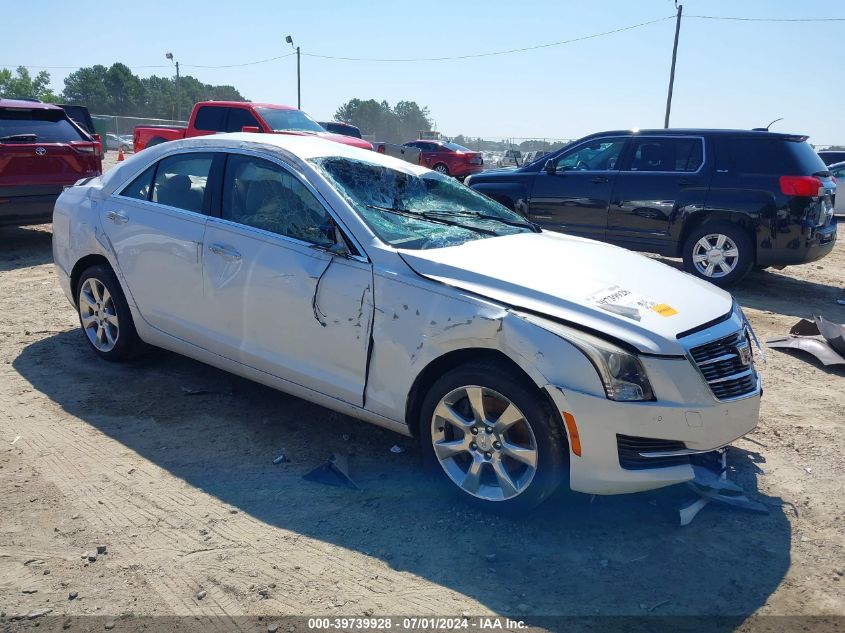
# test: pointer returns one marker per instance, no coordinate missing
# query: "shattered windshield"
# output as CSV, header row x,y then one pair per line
x,y
413,211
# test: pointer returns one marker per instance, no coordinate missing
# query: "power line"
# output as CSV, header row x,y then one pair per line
x,y
252,63
490,54
736,19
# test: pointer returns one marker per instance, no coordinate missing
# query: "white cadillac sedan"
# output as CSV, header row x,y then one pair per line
x,y
520,358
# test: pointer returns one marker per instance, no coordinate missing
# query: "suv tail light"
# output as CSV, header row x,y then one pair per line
x,y
800,185
86,148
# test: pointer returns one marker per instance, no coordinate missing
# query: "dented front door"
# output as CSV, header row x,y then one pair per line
x,y
283,307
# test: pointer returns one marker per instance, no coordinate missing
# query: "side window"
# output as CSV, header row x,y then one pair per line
x,y
264,195
180,181
238,118
744,155
667,154
598,155
210,118
140,188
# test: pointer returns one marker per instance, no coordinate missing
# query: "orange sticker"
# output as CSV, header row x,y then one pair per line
x,y
664,310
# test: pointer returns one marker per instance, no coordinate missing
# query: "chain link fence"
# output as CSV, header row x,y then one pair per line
x,y
117,131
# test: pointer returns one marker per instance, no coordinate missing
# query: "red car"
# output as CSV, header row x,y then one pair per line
x,y
41,151
213,117
448,158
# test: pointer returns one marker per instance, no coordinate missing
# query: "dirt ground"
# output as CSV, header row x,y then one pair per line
x,y
182,492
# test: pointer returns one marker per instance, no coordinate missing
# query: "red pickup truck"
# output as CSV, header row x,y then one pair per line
x,y
212,117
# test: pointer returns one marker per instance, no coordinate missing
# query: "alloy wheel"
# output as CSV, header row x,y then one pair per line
x,y
98,315
715,255
484,443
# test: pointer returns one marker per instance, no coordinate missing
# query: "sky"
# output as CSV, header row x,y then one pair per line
x,y
735,74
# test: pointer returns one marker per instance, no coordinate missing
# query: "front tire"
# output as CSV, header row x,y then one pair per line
x,y
719,252
104,315
491,435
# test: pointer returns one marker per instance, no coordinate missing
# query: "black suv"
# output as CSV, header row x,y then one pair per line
x,y
724,200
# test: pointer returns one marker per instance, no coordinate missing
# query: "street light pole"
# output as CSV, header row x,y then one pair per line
x,y
178,99
672,72
289,40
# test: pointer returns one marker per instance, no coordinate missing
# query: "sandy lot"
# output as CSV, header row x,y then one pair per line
x,y
182,492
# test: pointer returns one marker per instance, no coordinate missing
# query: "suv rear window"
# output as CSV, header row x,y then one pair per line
x,y
46,126
767,156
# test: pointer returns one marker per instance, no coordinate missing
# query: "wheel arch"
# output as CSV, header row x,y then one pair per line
x,y
718,216
81,266
455,358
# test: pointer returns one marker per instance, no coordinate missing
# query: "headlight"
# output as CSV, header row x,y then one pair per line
x,y
621,372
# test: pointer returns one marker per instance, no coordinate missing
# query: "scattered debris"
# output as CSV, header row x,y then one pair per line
x,y
711,483
109,625
188,391
73,595
658,605
333,472
14,441
823,339
92,557
201,594
396,449
29,590
101,549
37,613
282,458
33,561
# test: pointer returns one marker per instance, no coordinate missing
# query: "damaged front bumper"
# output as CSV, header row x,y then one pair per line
x,y
635,446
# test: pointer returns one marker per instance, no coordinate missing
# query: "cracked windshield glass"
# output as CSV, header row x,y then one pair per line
x,y
413,211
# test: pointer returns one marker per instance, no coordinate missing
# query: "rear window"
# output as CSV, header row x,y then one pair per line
x,y
210,119
767,156
37,126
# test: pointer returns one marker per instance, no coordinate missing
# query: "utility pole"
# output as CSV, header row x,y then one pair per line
x,y
178,99
289,40
674,58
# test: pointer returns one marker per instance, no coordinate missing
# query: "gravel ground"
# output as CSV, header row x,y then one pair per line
x,y
196,520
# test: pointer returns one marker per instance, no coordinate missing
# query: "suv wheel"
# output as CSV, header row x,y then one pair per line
x,y
104,315
721,253
493,437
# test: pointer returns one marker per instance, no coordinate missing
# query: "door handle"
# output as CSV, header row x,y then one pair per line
x,y
600,180
118,217
686,183
226,252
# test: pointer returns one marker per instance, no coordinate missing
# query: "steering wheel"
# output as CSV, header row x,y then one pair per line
x,y
582,165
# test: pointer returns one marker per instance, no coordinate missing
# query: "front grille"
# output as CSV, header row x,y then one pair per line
x,y
630,447
721,362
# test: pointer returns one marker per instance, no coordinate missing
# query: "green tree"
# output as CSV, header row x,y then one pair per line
x,y
22,84
394,125
412,119
87,86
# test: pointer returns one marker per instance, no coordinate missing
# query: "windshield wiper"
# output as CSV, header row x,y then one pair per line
x,y
431,217
19,137
487,216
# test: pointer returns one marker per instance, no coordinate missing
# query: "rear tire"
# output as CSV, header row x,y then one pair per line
x,y
441,168
104,315
492,438
719,252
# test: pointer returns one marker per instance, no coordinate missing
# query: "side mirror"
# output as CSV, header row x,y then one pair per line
x,y
254,129
550,167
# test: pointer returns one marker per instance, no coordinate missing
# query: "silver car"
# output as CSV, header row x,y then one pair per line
x,y
522,359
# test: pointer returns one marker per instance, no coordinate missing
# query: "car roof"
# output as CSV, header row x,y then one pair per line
x,y
699,132
236,104
299,147
28,105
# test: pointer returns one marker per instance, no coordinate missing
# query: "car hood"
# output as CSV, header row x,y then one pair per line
x,y
329,136
608,289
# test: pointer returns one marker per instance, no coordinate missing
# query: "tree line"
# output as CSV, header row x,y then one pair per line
x,y
116,90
